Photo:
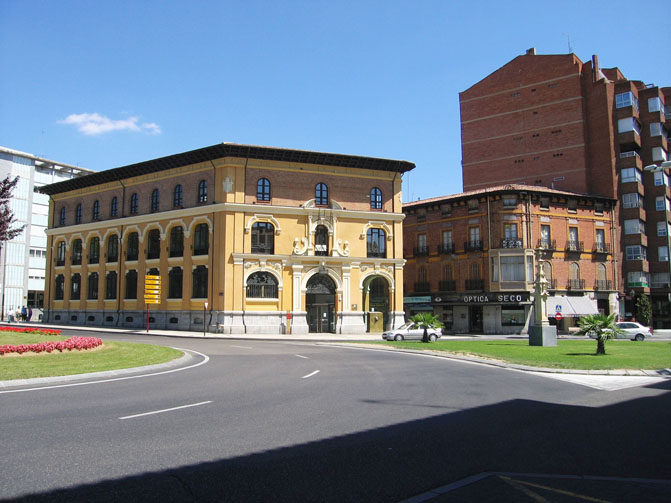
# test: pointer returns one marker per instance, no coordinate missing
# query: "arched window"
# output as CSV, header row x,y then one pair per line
x,y
263,238
200,282
321,240
263,190
376,245
154,244
60,253
601,278
375,199
175,277
574,270
131,284
77,252
321,195
59,290
110,285
114,207
202,191
133,249
177,196
76,286
61,220
133,204
78,214
201,240
177,242
154,200
96,210
547,272
113,248
94,251
421,274
261,285
93,286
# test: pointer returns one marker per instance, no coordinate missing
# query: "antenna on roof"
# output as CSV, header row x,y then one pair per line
x,y
568,40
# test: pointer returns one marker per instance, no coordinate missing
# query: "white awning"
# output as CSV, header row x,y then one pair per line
x,y
570,306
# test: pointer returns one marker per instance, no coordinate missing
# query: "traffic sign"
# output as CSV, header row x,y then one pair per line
x,y
152,296
558,308
558,315
151,289
152,276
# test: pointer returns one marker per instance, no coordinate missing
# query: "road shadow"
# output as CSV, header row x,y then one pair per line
x,y
629,439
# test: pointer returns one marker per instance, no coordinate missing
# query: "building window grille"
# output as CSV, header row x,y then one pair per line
x,y
376,243
263,190
321,194
261,285
263,238
375,199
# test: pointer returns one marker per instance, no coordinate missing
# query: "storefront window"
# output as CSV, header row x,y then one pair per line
x,y
512,317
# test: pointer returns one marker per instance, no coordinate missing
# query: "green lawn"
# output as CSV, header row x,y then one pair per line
x,y
568,354
110,356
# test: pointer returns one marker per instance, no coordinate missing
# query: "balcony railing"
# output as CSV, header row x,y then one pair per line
x,y
447,286
475,284
473,245
547,244
420,251
552,284
575,246
422,286
446,248
603,284
511,243
575,284
602,248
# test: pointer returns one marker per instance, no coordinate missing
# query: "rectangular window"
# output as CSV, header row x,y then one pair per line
x,y
447,238
628,124
510,231
509,201
545,203
654,104
637,278
661,203
663,254
659,280
633,226
630,153
636,252
630,175
512,317
421,240
630,200
667,111
662,228
626,100
659,154
512,268
495,270
474,233
661,178
656,129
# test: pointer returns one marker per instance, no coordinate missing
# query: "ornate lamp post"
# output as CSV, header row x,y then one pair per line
x,y
541,333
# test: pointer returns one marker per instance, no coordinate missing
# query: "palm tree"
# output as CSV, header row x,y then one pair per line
x,y
426,320
602,326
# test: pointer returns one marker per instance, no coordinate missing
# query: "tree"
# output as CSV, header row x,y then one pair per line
x,y
643,310
6,214
602,326
425,321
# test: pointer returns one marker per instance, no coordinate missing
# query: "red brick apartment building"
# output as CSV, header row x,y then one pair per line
x,y
471,257
554,121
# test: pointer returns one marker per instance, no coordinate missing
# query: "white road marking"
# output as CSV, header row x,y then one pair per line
x,y
601,382
310,375
242,347
166,410
206,359
301,356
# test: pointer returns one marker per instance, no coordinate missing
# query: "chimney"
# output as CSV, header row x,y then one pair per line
x,y
595,68
532,51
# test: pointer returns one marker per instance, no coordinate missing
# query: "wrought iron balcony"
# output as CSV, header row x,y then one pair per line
x,y
422,286
420,251
446,248
603,284
601,248
547,244
511,243
473,245
447,286
575,284
575,246
475,284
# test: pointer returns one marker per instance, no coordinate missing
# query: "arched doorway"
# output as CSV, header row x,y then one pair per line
x,y
320,304
377,297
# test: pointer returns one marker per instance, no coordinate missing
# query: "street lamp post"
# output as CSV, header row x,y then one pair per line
x,y
654,168
204,315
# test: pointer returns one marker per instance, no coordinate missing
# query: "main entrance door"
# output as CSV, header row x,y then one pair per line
x,y
320,303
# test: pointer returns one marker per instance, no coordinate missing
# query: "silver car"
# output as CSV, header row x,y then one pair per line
x,y
412,332
630,330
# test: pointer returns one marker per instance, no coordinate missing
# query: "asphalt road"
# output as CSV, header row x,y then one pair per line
x,y
278,421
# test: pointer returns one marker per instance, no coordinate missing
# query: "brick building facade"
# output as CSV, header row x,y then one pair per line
x,y
257,239
471,257
554,121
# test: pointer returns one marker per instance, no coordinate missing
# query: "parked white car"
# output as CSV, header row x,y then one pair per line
x,y
630,330
412,332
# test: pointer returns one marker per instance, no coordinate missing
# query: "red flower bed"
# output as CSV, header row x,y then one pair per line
x,y
30,330
75,342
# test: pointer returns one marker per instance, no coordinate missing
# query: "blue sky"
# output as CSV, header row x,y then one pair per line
x,y
102,84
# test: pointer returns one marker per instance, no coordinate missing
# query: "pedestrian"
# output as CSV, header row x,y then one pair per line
x,y
17,314
24,314
10,316
30,313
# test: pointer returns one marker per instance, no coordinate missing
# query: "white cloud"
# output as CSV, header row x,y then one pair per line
x,y
95,124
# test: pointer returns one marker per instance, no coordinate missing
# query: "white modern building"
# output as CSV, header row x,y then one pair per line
x,y
23,259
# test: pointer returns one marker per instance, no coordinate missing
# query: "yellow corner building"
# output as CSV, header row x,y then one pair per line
x,y
244,239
